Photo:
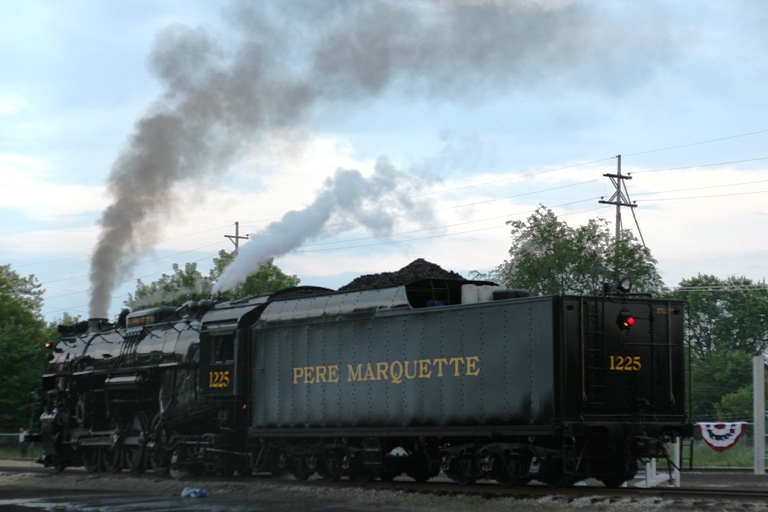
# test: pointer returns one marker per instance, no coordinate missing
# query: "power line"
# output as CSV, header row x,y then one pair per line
x,y
114,297
701,165
140,262
463,187
706,197
704,188
439,227
696,143
723,288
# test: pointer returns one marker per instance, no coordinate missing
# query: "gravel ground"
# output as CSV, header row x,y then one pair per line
x,y
272,495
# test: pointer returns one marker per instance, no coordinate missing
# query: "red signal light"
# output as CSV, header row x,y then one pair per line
x,y
625,320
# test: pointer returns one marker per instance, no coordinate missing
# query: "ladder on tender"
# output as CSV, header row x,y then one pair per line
x,y
592,354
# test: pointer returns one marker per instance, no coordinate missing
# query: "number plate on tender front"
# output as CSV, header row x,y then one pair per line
x,y
625,363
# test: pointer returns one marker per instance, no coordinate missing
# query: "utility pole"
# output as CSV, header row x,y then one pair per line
x,y
236,237
621,198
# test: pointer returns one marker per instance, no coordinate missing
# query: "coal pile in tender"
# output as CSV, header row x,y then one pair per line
x,y
414,271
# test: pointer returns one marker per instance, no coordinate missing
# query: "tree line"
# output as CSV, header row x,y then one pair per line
x,y
726,317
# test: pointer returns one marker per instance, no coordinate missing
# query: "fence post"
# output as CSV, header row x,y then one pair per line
x,y
758,385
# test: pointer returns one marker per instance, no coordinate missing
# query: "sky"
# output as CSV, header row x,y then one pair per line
x,y
353,137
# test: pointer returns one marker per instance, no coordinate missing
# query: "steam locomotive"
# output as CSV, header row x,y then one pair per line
x,y
433,375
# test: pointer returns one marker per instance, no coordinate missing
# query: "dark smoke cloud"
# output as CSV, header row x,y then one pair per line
x,y
346,200
296,55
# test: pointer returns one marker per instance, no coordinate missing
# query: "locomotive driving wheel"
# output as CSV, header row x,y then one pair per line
x,y
113,459
113,456
92,458
136,449
158,456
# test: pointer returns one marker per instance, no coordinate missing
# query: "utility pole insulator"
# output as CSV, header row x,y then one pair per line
x,y
236,237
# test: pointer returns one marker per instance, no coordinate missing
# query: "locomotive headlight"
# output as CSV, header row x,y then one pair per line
x,y
625,320
625,285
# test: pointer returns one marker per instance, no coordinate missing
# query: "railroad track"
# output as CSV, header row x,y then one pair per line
x,y
571,493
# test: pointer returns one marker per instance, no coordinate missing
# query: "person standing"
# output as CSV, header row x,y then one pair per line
x,y
23,444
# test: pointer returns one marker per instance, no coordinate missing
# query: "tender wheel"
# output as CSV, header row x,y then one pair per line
x,y
613,482
464,471
278,464
359,473
330,467
552,473
509,473
389,474
617,472
422,470
261,460
301,468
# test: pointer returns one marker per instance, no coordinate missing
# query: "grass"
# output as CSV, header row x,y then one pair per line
x,y
739,456
13,452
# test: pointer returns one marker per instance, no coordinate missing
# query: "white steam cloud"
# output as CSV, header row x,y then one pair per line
x,y
348,199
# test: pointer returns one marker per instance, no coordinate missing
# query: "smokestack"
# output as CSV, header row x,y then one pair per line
x,y
97,324
294,56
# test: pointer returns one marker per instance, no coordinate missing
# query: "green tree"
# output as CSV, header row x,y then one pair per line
x,y
549,257
736,406
267,279
23,334
725,314
715,376
189,283
171,290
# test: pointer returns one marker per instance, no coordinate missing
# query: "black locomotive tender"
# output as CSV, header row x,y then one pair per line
x,y
435,374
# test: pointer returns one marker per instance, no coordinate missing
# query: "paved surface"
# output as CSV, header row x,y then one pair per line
x,y
728,479
76,490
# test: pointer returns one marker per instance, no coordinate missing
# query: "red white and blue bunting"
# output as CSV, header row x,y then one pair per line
x,y
721,436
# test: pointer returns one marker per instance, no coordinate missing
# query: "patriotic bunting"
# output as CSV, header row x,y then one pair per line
x,y
721,436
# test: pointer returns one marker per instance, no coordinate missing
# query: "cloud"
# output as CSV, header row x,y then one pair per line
x,y
12,103
27,188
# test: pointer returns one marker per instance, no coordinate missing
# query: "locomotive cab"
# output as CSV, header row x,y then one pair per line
x,y
218,358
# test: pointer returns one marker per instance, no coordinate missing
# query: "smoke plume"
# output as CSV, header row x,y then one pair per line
x,y
348,199
294,56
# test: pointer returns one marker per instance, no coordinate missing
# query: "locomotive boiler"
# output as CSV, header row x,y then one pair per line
x,y
431,375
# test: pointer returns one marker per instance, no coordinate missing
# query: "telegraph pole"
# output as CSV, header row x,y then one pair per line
x,y
621,198
236,237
